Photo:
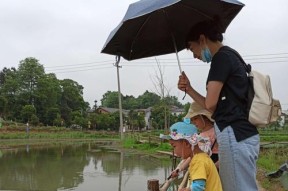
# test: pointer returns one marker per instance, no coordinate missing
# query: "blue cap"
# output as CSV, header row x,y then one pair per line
x,y
180,130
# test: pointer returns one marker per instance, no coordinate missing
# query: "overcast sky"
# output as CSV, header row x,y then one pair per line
x,y
67,36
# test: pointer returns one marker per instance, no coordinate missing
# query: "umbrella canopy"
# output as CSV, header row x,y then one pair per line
x,y
157,27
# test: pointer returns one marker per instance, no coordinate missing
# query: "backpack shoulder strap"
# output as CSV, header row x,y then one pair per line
x,y
247,67
250,94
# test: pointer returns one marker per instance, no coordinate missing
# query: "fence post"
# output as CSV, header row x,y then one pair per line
x,y
153,185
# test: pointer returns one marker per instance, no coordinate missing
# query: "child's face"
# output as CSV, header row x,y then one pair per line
x,y
181,148
198,122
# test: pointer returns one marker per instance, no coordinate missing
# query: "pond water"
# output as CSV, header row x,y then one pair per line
x,y
81,166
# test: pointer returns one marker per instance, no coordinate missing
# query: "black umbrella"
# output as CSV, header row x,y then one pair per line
x,y
157,27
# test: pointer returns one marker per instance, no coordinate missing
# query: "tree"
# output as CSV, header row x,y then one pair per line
x,y
47,98
135,120
71,99
132,119
93,120
115,121
162,91
107,121
34,120
148,99
29,72
159,116
3,105
58,121
173,100
10,90
140,120
51,115
77,118
52,99
110,99
4,73
130,102
27,112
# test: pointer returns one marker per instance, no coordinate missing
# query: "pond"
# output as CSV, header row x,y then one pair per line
x,y
80,166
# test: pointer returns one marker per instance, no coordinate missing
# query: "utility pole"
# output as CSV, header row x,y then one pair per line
x,y
119,97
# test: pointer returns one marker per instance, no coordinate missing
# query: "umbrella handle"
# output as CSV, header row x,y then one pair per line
x,y
178,60
176,51
184,95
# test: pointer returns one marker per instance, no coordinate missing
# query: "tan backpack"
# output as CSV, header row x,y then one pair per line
x,y
262,107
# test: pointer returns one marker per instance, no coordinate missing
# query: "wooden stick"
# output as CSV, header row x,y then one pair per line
x,y
184,181
167,183
153,185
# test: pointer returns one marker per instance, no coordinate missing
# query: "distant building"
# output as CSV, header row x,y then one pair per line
x,y
177,111
147,115
146,112
111,110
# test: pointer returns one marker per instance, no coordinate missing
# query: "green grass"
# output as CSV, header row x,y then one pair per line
x,y
273,135
271,158
58,135
133,143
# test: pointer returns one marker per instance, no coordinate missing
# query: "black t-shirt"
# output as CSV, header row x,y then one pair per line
x,y
227,68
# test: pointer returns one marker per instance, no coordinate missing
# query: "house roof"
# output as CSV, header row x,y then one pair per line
x,y
173,109
176,109
113,110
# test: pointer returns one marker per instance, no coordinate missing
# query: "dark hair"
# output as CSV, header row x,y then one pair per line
x,y
211,30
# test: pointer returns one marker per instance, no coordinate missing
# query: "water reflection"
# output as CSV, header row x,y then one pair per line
x,y
77,167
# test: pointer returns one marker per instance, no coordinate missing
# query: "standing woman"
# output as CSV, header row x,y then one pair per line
x,y
238,139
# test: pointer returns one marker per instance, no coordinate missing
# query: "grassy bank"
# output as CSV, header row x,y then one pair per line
x,y
270,160
55,133
132,143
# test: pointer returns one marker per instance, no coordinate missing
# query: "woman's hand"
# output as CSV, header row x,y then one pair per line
x,y
184,83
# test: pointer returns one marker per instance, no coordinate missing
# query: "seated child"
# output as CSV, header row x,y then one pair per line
x,y
202,171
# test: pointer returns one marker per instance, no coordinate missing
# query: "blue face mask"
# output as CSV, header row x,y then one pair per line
x,y
206,55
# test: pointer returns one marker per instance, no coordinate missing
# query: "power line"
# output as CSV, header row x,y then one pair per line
x,y
97,66
167,62
88,63
71,71
264,56
68,70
